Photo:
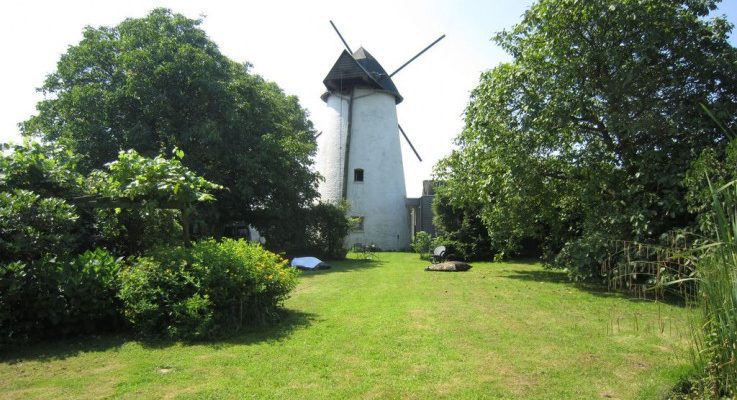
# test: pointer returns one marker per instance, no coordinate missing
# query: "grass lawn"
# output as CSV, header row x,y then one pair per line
x,y
387,329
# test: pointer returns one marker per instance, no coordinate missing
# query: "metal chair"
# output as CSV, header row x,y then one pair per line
x,y
438,255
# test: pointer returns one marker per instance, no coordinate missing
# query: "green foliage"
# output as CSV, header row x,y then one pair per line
x,y
159,85
52,298
318,230
91,289
720,165
206,290
31,305
46,169
587,134
326,229
132,231
421,243
32,227
716,274
460,228
151,290
134,181
36,217
156,181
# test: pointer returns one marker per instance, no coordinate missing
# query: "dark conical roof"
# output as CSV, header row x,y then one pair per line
x,y
360,68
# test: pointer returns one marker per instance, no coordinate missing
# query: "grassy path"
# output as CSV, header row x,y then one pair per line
x,y
387,329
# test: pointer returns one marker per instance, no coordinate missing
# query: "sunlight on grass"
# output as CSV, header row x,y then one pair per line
x,y
385,328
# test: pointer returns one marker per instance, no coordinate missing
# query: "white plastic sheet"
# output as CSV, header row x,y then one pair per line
x,y
306,262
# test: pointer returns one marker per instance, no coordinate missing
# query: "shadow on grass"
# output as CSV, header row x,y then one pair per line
x,y
62,349
287,322
598,290
347,265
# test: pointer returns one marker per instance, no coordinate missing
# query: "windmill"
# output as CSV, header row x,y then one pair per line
x,y
359,153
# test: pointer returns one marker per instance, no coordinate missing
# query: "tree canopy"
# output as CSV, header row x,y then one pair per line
x,y
587,134
158,83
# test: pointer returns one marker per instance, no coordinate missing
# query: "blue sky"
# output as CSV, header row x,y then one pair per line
x,y
292,43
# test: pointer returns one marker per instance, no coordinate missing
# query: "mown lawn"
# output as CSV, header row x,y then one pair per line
x,y
387,329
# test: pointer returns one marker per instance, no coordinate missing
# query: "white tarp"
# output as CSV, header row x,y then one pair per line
x,y
306,262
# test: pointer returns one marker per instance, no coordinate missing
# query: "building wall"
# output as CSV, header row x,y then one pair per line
x,y
375,148
331,148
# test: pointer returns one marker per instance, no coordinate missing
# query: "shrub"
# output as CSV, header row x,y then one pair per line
x,y
460,228
205,291
318,230
50,297
421,243
31,226
150,290
91,285
31,304
583,257
326,229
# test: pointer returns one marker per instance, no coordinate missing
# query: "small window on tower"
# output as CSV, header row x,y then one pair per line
x,y
358,175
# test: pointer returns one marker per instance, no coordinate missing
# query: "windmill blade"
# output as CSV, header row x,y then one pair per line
x,y
418,54
408,142
341,37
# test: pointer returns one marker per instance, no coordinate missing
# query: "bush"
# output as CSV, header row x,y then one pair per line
x,y
421,243
31,304
460,228
583,257
152,292
32,227
91,286
326,229
318,230
206,291
50,297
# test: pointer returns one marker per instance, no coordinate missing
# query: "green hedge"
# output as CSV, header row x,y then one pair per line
x,y
50,298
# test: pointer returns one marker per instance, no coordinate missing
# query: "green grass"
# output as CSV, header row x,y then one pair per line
x,y
388,329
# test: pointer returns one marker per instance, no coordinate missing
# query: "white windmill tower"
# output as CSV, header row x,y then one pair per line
x,y
359,153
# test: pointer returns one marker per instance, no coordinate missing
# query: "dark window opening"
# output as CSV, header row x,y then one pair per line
x,y
358,175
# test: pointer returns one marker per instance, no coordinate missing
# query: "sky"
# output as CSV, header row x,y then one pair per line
x,y
293,44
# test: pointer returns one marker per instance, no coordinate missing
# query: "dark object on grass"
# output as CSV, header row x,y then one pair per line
x,y
438,255
449,266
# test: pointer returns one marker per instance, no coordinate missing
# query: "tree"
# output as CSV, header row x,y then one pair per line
x,y
459,227
586,135
36,217
134,181
158,83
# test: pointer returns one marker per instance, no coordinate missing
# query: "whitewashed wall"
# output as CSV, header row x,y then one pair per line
x,y
375,148
331,148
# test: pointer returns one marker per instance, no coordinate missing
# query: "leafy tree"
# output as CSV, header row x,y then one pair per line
x,y
587,134
36,217
713,169
460,228
158,83
134,181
